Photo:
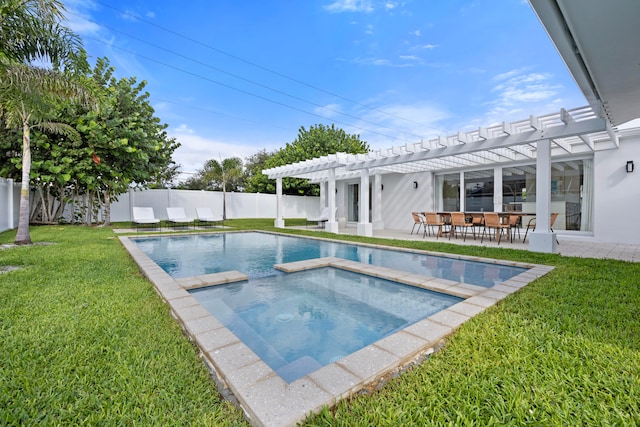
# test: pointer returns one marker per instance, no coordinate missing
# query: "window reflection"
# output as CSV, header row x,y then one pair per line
x,y
478,191
571,192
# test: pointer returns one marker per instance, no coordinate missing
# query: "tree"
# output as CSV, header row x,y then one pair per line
x,y
167,178
222,175
254,165
30,30
124,143
119,145
319,140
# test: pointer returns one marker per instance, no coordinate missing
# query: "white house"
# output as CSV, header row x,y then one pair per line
x,y
580,162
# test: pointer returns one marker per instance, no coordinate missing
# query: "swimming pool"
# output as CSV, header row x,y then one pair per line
x,y
308,319
254,254
264,396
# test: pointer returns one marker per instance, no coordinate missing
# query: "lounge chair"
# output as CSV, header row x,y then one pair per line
x,y
321,220
205,216
177,217
144,216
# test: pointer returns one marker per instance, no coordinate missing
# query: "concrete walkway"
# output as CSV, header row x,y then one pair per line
x,y
569,246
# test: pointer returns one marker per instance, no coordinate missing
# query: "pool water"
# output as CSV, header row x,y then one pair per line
x,y
299,322
254,254
305,320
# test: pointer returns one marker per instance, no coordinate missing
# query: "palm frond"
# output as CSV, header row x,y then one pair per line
x,y
34,90
30,31
60,129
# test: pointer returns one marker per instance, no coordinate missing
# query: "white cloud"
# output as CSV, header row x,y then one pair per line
x,y
407,61
520,93
350,6
196,149
514,87
330,110
405,123
79,18
129,15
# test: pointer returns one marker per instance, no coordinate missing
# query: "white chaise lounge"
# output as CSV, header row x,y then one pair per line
x,y
205,216
177,217
321,220
144,216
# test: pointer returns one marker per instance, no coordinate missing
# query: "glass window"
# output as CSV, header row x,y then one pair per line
x,y
569,197
478,191
518,188
448,192
571,192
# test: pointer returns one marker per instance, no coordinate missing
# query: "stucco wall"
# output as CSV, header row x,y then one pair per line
x,y
400,198
617,194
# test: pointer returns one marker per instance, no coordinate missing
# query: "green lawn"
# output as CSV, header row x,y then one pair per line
x,y
86,340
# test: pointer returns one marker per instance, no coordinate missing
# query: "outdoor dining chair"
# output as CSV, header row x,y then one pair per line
x,y
418,219
515,221
459,223
532,225
493,225
431,221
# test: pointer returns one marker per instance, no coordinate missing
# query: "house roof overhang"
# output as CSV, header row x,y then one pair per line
x,y
598,41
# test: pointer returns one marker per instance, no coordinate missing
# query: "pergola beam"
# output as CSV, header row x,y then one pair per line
x,y
596,124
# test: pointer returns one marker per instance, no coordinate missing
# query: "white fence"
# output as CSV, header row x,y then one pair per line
x,y
9,204
238,205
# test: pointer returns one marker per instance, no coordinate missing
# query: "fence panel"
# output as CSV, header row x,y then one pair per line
x,y
239,205
9,204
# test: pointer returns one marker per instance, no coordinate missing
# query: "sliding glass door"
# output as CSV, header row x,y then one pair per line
x,y
571,191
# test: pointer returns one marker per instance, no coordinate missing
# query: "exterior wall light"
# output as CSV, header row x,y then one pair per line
x,y
630,166
415,183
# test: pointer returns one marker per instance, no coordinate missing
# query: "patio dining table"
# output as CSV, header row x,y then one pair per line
x,y
477,218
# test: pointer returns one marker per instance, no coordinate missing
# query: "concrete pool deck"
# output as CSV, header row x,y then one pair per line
x,y
268,400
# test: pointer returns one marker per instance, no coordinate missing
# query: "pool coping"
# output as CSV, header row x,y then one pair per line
x,y
268,400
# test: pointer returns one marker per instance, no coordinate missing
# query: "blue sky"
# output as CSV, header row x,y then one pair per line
x,y
233,77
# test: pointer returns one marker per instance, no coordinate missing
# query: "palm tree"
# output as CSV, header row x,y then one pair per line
x,y
30,31
223,174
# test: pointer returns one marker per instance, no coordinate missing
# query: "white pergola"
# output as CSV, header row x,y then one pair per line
x,y
541,138
603,61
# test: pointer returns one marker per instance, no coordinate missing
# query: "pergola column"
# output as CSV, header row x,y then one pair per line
x,y
332,224
498,198
279,221
365,228
543,239
323,195
378,223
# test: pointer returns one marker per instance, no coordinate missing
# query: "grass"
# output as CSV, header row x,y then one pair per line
x,y
87,341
